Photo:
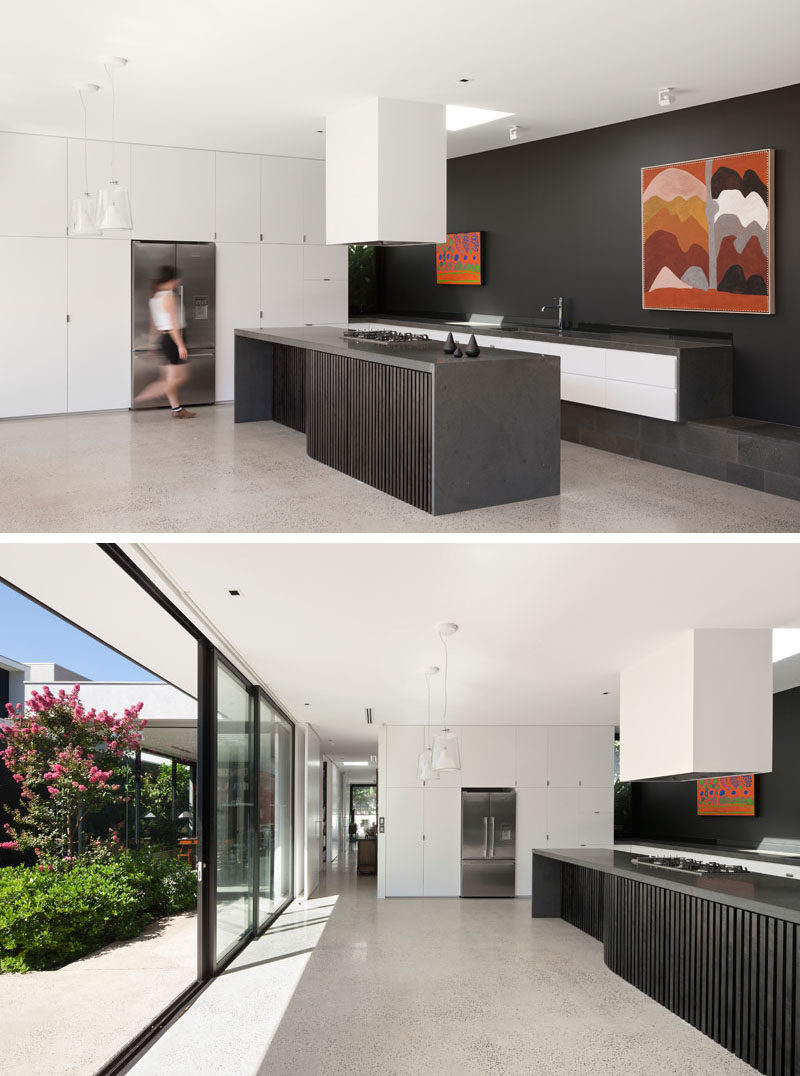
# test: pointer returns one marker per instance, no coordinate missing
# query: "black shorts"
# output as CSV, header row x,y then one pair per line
x,y
169,349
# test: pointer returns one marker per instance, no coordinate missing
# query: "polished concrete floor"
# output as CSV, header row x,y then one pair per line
x,y
119,472
351,985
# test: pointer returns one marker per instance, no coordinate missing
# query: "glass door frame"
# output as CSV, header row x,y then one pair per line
x,y
208,655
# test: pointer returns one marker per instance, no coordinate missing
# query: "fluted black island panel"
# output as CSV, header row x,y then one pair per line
x,y
440,433
719,951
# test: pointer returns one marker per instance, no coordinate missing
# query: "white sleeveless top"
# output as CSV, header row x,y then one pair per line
x,y
162,319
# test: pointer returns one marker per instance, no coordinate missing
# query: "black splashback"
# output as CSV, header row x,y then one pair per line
x,y
668,811
562,217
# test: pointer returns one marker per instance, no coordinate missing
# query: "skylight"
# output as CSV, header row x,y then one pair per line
x,y
459,117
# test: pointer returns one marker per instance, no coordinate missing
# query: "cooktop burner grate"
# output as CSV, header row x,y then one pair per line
x,y
689,866
385,337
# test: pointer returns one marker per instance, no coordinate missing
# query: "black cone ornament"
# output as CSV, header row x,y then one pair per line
x,y
457,353
449,345
472,348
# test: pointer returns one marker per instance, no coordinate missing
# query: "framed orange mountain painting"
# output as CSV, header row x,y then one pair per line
x,y
707,235
727,795
458,261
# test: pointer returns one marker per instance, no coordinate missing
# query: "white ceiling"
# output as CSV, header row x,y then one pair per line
x,y
259,76
544,628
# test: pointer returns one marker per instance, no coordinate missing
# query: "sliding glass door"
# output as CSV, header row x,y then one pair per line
x,y
275,811
234,752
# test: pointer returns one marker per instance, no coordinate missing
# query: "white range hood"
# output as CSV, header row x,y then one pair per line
x,y
386,173
700,707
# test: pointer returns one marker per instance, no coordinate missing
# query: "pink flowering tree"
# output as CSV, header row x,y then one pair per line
x,y
64,758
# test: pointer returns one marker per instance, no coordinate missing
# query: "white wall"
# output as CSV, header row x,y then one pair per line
x,y
563,775
313,828
333,810
265,213
299,810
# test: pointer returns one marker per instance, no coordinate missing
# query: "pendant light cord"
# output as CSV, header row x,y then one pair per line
x,y
110,73
85,150
444,714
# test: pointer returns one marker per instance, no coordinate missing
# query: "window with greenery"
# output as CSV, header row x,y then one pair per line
x,y
362,279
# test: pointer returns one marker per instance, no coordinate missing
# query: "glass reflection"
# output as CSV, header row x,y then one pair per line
x,y
234,802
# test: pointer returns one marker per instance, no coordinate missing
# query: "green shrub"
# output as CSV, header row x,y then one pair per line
x,y
49,918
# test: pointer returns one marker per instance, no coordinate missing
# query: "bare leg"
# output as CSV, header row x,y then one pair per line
x,y
175,377
151,391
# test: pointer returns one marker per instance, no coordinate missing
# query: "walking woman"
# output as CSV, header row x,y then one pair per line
x,y
166,321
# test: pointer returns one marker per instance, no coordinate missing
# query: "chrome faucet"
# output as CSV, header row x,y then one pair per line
x,y
557,304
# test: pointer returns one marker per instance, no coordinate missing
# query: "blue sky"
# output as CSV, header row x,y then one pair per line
x,y
30,633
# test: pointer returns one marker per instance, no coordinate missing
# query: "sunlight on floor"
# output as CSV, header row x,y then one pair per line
x,y
254,992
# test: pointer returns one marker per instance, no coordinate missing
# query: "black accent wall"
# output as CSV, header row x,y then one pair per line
x,y
562,217
668,811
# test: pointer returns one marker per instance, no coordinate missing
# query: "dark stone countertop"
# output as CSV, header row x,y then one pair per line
x,y
762,893
416,357
655,343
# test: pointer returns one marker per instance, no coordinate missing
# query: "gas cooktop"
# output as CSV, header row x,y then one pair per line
x,y
688,866
385,337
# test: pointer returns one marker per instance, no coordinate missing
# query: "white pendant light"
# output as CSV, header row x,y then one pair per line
x,y
113,200
425,770
446,751
83,210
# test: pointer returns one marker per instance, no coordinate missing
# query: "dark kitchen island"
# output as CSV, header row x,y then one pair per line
x,y
720,950
444,434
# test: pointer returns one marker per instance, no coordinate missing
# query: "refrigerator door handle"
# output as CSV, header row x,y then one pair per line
x,y
485,837
183,320
491,820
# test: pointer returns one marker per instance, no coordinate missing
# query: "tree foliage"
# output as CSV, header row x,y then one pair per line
x,y
64,758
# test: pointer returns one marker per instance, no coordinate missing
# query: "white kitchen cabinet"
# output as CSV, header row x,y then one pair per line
x,y
172,193
282,187
33,313
487,756
403,746
596,756
324,263
586,361
238,304
580,755
563,818
325,302
33,185
596,800
314,203
442,843
531,756
238,197
648,400
99,330
596,830
403,842
281,284
585,390
642,369
531,833
100,171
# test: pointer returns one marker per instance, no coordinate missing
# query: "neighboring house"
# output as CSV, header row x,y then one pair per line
x,y
171,714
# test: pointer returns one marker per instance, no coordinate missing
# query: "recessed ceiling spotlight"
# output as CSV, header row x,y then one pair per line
x,y
306,704
321,132
666,96
431,670
466,80
605,692
86,87
447,627
235,593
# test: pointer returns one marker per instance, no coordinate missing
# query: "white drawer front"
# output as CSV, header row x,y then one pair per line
x,y
589,361
642,399
641,368
585,390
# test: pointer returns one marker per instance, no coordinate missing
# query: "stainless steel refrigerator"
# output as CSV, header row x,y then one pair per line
x,y
488,839
196,266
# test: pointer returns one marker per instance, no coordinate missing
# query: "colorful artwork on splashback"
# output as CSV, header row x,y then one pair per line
x,y
727,795
707,235
458,261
